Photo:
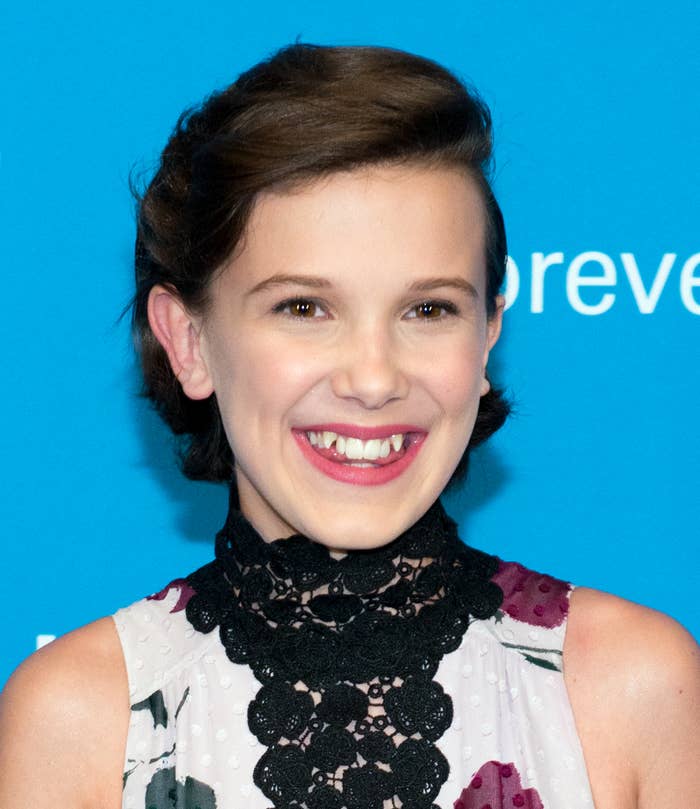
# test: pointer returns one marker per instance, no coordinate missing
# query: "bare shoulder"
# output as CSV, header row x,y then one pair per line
x,y
63,721
633,676
626,645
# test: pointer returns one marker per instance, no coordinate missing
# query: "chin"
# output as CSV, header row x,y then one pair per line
x,y
358,531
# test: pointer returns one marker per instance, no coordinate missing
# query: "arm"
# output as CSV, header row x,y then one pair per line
x,y
63,723
633,676
667,746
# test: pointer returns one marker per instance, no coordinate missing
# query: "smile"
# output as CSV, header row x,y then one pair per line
x,y
364,456
355,448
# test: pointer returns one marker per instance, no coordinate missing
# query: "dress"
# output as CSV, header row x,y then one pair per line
x,y
419,675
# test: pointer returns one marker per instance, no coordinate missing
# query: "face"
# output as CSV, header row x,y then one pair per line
x,y
346,343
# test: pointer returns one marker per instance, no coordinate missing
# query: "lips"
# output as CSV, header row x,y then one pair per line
x,y
364,456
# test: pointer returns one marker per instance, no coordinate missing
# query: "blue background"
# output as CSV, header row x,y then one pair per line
x,y
596,115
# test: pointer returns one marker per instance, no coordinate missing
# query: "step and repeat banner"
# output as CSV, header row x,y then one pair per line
x,y
596,114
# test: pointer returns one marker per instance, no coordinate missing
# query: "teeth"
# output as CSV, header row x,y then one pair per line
x,y
372,449
355,449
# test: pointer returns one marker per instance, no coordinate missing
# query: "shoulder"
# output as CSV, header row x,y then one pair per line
x,y
65,711
633,676
158,640
618,639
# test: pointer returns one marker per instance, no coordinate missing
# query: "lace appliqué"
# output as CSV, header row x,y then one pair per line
x,y
346,650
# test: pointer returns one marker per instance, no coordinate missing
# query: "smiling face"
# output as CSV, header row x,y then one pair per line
x,y
346,343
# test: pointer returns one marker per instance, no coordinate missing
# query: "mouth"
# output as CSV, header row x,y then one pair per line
x,y
364,456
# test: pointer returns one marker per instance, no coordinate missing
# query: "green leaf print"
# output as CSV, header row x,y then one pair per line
x,y
156,705
540,661
165,792
543,662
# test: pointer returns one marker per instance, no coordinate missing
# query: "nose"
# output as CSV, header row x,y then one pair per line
x,y
370,371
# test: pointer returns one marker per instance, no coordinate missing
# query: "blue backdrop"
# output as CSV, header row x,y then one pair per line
x,y
598,169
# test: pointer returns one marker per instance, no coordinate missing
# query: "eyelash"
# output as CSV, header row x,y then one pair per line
x,y
448,308
282,307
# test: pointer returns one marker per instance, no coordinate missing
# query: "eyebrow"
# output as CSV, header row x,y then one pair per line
x,y
313,281
283,279
452,281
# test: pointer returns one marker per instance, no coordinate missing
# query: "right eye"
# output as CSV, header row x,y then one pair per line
x,y
300,309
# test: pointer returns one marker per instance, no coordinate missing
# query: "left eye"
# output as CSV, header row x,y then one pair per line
x,y
431,310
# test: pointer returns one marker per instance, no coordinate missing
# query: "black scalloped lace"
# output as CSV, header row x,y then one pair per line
x,y
346,650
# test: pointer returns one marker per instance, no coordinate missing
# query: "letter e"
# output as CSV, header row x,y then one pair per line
x,y
574,280
688,282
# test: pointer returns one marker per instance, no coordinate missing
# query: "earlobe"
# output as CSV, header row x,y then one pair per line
x,y
178,332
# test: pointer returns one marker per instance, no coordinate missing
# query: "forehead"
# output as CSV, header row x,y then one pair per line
x,y
397,220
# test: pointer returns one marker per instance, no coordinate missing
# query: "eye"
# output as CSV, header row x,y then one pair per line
x,y
300,309
431,310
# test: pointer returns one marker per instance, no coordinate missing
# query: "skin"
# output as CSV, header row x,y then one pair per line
x,y
362,358
633,675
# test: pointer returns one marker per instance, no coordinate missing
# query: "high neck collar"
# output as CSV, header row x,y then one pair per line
x,y
239,547
295,581
345,651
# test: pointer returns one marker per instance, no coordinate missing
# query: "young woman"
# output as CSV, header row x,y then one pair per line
x,y
318,266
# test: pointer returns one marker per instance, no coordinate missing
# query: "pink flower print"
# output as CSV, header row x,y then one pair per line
x,y
186,593
498,786
531,597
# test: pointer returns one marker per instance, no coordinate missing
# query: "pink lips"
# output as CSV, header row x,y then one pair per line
x,y
381,471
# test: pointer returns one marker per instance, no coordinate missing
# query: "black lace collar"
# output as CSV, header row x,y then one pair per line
x,y
346,650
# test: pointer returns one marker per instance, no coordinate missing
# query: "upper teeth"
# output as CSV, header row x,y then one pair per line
x,y
355,448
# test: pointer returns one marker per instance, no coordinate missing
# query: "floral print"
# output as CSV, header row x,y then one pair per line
x,y
156,705
184,589
498,786
205,731
165,792
531,597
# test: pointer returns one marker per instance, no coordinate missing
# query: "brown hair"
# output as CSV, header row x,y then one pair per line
x,y
307,111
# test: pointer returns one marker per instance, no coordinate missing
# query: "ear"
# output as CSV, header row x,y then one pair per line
x,y
493,332
178,331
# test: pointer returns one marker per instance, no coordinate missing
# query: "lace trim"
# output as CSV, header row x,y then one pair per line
x,y
346,651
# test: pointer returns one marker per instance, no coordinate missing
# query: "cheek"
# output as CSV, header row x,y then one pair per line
x,y
260,379
454,379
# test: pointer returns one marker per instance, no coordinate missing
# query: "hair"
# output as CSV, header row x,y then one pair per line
x,y
302,114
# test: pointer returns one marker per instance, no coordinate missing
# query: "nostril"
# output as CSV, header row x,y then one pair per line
x,y
372,380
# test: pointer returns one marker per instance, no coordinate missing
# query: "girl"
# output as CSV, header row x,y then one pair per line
x,y
318,265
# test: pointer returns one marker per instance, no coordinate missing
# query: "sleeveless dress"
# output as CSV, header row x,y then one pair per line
x,y
424,674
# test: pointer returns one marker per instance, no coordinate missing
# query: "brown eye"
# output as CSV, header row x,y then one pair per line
x,y
303,309
432,310
428,310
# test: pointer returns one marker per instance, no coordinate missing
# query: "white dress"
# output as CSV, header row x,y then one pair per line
x,y
511,739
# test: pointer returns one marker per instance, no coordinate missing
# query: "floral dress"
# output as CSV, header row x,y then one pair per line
x,y
421,675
